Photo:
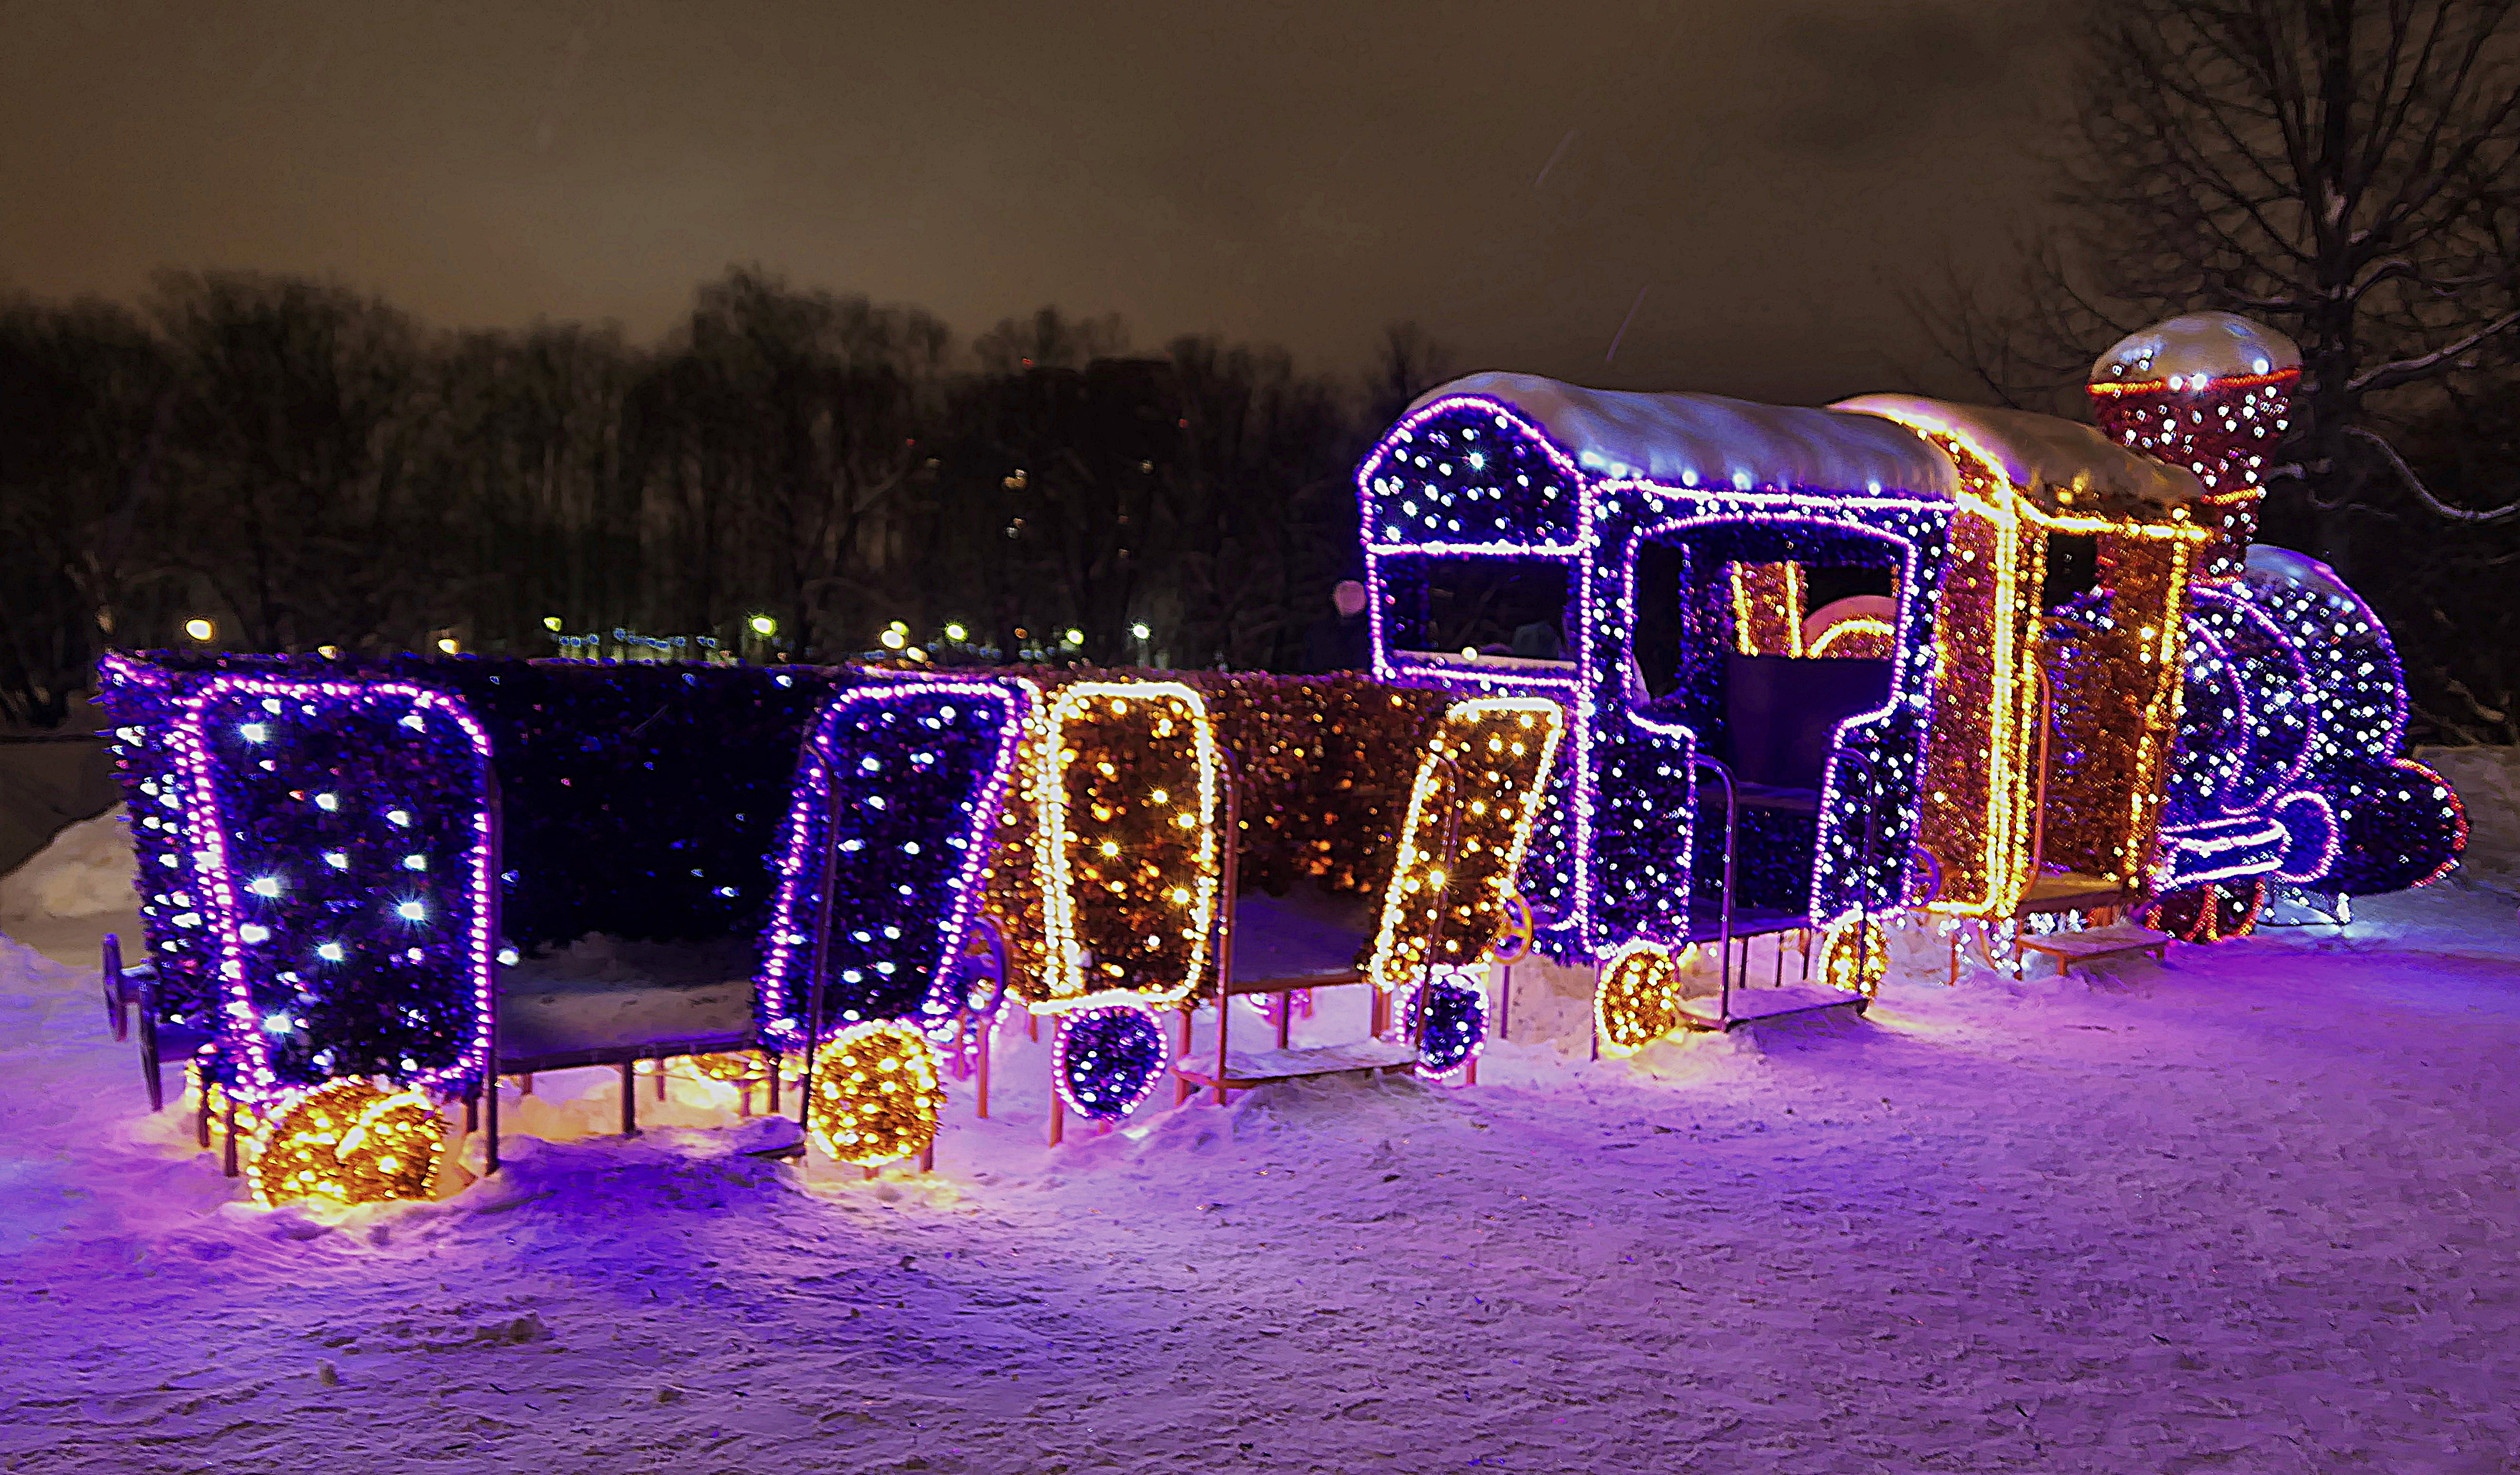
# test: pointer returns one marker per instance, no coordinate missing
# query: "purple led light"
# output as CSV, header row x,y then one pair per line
x,y
1623,511
785,969
242,1038
1109,1059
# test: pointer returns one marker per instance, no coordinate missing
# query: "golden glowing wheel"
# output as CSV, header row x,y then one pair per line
x,y
876,1093
1638,999
346,1141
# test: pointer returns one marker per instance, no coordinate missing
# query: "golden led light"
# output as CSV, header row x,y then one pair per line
x,y
1128,885
2115,689
551,622
762,625
952,633
446,647
878,1093
1862,636
1478,789
200,629
1767,609
346,1141
1855,956
1638,1000
893,640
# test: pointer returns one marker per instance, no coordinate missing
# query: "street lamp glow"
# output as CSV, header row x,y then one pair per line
x,y
446,647
199,630
894,640
1076,637
551,622
763,626
955,633
1140,630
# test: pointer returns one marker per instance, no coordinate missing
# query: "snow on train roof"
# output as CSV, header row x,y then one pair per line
x,y
2043,454
1708,439
2213,345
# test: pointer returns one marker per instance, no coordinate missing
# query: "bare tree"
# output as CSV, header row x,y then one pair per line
x,y
1407,363
88,396
2342,168
295,449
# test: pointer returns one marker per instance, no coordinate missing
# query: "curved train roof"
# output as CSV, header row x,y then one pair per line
x,y
2044,456
1709,440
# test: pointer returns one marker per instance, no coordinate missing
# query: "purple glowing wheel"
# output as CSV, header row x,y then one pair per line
x,y
1110,1059
1449,1015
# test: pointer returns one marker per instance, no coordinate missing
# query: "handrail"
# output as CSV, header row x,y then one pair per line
x,y
1229,882
1864,861
1732,834
1443,894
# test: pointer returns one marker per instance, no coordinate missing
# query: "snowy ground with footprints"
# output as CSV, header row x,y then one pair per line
x,y
2256,1210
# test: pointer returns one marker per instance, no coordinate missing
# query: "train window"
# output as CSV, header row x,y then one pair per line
x,y
1498,607
2073,567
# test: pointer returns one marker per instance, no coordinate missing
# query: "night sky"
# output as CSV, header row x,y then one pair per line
x,y
1768,175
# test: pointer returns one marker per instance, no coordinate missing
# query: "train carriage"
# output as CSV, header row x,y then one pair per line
x,y
1713,789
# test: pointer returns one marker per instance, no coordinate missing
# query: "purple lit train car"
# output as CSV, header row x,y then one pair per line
x,y
359,879
1606,550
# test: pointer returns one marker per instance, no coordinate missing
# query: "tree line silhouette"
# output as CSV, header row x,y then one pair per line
x,y
305,466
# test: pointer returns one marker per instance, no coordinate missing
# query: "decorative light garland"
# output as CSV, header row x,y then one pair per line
x,y
877,1093
1128,846
897,797
1613,857
1447,1015
346,1141
1767,609
1638,1000
368,966
1107,1059
1861,638
1472,810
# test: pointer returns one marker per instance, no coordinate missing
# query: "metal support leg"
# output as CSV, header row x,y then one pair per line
x,y
988,1044
230,1163
629,1100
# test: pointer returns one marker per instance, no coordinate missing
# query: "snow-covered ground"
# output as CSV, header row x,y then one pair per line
x,y
2255,1211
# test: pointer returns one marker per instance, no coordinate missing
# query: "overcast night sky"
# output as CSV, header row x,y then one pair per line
x,y
1769,174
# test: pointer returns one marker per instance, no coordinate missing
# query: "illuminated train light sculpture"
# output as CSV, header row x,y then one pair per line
x,y
1656,505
